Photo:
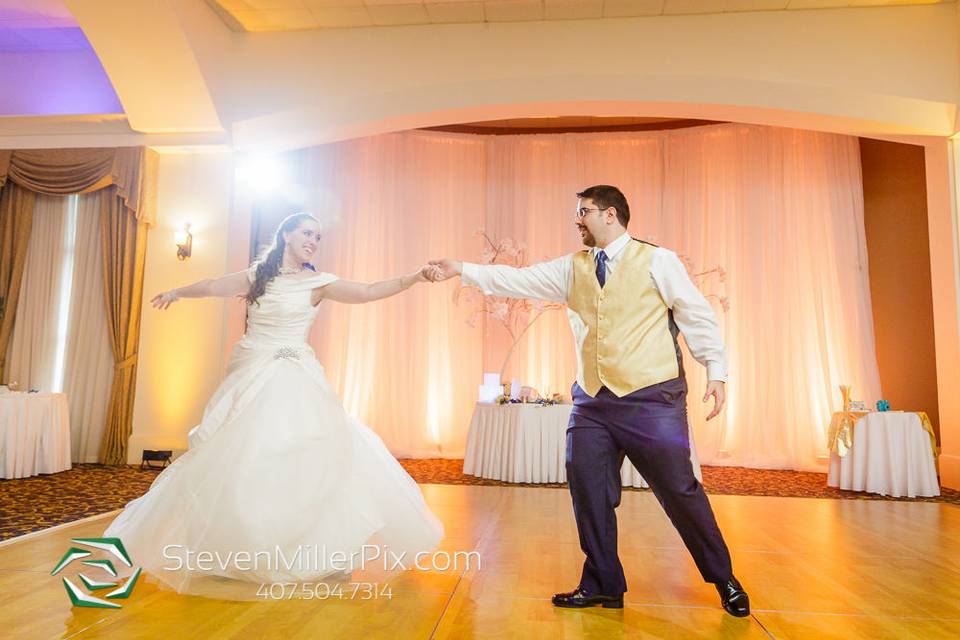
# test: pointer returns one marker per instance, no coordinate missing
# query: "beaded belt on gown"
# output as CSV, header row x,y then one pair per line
x,y
287,352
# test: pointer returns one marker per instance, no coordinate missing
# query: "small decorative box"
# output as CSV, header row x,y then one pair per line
x,y
857,405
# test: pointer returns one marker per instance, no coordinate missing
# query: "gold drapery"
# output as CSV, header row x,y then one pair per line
x,y
124,242
64,172
16,220
127,212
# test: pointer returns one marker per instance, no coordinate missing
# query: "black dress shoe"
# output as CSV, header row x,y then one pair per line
x,y
578,599
733,597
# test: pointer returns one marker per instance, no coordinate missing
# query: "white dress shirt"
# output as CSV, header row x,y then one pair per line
x,y
553,281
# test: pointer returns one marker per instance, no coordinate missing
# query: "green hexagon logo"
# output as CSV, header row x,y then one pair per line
x,y
120,590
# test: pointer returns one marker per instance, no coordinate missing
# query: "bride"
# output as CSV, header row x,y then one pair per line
x,y
279,483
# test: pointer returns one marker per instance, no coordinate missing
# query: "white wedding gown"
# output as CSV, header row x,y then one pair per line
x,y
276,465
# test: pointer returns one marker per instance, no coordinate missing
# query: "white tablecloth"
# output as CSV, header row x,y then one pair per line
x,y
34,434
891,455
527,443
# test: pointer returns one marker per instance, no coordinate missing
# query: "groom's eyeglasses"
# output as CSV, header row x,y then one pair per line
x,y
582,212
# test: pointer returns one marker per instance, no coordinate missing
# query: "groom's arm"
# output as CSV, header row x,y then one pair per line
x,y
548,280
691,311
696,320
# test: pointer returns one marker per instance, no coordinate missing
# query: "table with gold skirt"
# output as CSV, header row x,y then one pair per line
x,y
892,453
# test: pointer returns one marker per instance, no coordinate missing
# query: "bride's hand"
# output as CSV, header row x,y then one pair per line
x,y
165,299
427,273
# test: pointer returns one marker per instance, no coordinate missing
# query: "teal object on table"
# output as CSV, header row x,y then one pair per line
x,y
883,405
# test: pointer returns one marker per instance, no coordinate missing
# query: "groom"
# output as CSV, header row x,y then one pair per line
x,y
627,301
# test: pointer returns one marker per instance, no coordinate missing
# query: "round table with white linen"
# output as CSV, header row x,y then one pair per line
x,y
527,443
891,454
34,434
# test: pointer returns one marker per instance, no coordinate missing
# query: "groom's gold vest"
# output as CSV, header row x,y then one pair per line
x,y
626,336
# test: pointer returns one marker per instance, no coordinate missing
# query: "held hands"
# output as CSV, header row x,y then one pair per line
x,y
717,389
428,273
165,299
445,269
438,270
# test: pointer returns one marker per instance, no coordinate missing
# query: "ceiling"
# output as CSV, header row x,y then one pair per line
x,y
292,15
39,25
213,86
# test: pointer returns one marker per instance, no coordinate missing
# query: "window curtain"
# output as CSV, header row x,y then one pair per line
x,y
33,347
16,222
128,176
88,362
123,241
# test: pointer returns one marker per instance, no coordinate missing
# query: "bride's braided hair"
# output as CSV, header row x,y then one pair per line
x,y
268,263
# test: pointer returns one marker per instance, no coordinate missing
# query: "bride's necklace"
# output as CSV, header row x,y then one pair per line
x,y
285,271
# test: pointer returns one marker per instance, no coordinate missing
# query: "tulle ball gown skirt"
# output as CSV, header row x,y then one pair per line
x,y
279,484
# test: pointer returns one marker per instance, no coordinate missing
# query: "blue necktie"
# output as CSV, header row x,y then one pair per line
x,y
601,268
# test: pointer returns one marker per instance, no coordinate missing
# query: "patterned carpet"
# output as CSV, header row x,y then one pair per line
x,y
33,504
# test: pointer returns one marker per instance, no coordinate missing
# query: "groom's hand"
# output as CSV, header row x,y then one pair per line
x,y
446,268
715,388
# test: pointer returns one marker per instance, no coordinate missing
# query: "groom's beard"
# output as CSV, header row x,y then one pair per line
x,y
586,236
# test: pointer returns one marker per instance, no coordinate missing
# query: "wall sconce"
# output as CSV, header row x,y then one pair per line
x,y
184,240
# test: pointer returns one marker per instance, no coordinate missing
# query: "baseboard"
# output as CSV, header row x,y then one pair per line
x,y
950,471
65,525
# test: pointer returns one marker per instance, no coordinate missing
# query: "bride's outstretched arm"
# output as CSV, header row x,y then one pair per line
x,y
360,292
232,284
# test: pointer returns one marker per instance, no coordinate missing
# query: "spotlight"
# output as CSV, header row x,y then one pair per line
x,y
262,173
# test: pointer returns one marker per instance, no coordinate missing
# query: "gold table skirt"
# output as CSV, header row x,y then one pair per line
x,y
840,438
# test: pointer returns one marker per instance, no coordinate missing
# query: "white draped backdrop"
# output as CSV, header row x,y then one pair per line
x,y
780,210
61,336
88,362
32,354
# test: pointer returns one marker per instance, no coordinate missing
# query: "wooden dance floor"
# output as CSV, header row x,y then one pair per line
x,y
813,568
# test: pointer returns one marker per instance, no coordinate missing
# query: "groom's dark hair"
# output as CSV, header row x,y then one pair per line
x,y
606,196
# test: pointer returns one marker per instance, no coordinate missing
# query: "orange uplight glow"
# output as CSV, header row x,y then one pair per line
x,y
178,376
